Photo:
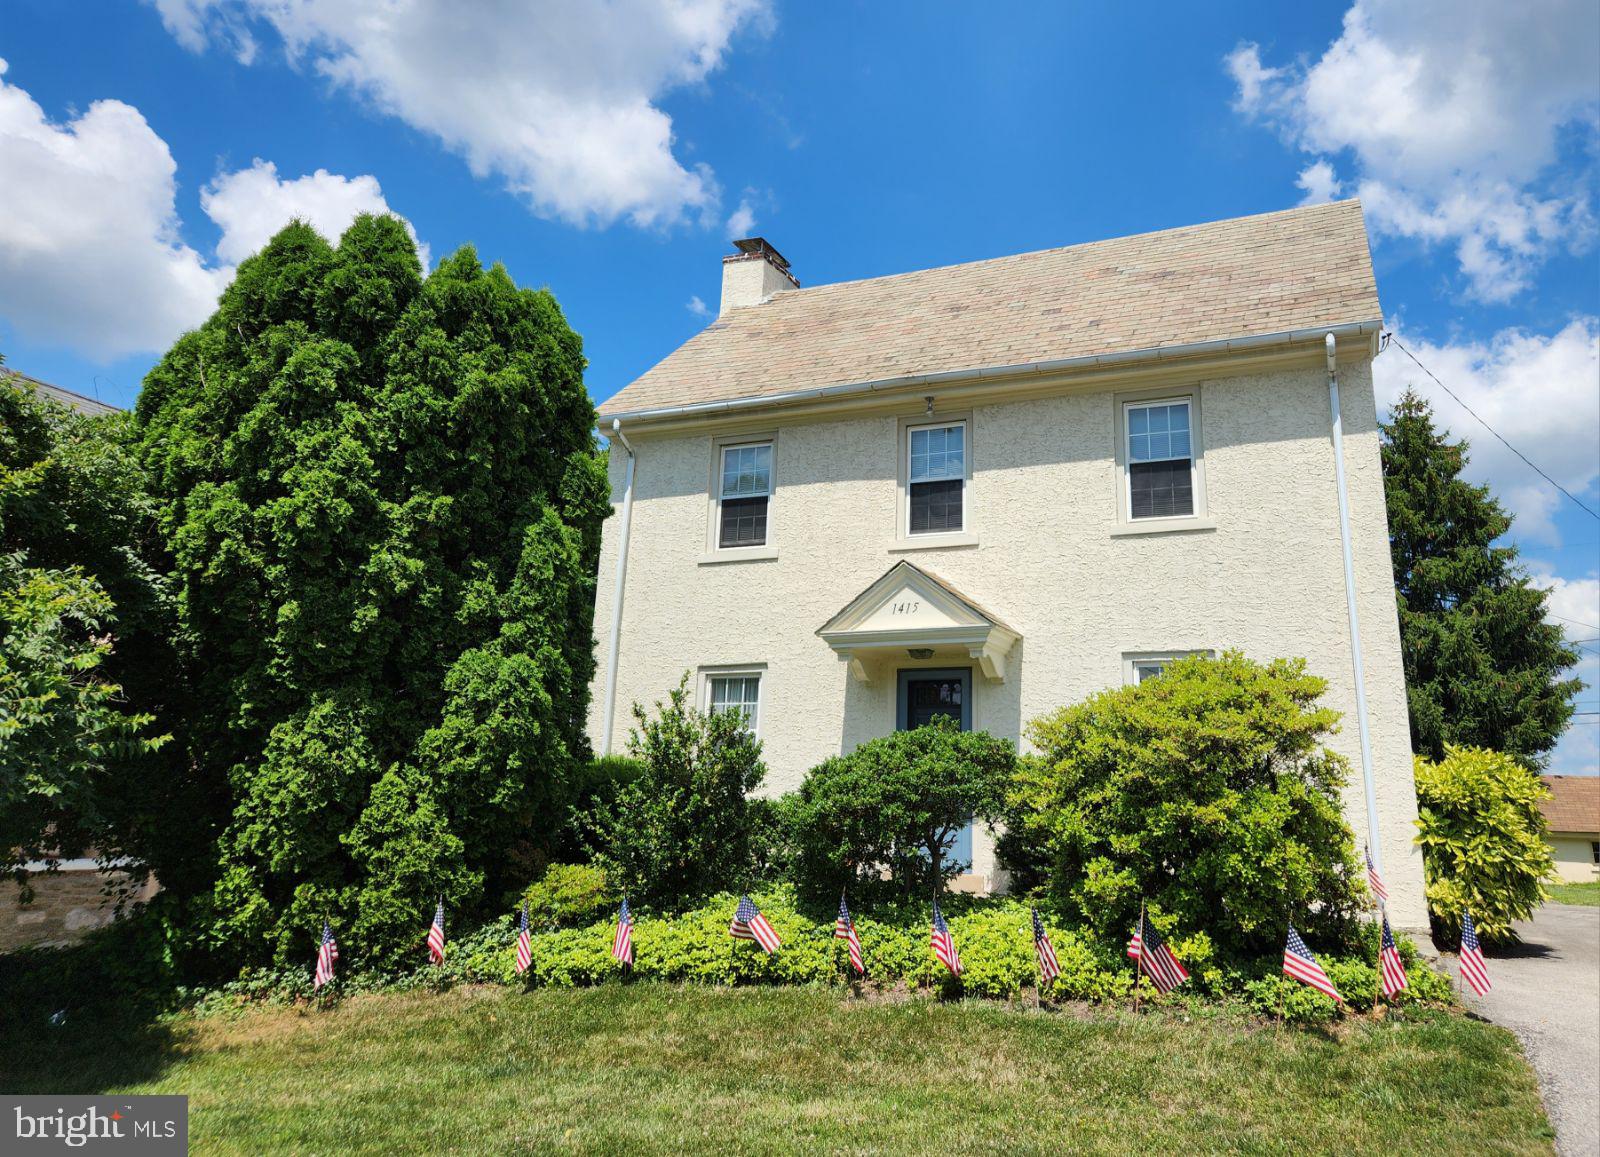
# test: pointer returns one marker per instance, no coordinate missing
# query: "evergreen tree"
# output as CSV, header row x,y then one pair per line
x,y
382,499
1483,667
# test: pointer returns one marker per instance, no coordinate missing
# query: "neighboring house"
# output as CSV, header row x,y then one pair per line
x,y
1573,815
90,406
992,489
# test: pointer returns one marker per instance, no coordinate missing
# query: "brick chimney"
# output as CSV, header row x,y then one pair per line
x,y
753,274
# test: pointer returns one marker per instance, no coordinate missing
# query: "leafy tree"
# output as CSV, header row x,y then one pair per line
x,y
382,500
1483,667
883,819
76,601
1483,840
681,829
1206,792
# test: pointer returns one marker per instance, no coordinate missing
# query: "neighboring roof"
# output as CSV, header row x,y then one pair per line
x,y
1574,803
1296,270
90,406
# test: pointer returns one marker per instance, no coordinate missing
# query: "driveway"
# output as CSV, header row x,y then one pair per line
x,y
1547,991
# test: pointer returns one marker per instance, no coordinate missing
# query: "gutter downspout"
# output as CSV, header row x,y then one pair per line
x,y
1362,727
616,599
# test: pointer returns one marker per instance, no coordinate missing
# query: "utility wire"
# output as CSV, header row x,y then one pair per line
x,y
1581,505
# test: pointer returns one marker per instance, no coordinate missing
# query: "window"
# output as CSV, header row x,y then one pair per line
x,y
1148,668
936,478
1141,665
1161,475
744,490
741,693
1594,850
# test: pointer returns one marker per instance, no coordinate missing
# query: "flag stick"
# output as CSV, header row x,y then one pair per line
x,y
1138,963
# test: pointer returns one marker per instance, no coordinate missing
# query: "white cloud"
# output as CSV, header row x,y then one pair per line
x,y
1450,116
90,255
1318,182
91,252
742,221
697,306
560,101
1574,606
1540,392
252,204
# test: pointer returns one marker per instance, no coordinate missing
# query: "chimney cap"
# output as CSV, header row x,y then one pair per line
x,y
761,247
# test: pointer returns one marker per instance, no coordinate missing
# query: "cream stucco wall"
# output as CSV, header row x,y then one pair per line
x,y
1574,855
1042,503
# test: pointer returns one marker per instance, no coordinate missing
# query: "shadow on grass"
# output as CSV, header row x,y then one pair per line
x,y
79,1020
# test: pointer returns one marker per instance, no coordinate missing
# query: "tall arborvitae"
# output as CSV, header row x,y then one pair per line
x,y
382,497
1483,666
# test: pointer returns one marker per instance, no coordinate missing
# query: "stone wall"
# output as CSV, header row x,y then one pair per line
x,y
66,905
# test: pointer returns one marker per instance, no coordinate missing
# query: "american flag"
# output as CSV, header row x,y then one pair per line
x,y
622,944
1375,881
436,935
1472,969
1392,970
749,924
327,956
1049,967
944,945
844,928
1155,958
524,944
1299,963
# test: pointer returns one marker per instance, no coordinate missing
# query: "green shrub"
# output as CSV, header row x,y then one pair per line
x,y
1483,840
681,829
569,895
1205,792
595,786
882,819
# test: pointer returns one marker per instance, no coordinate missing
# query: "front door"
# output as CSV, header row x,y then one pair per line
x,y
924,696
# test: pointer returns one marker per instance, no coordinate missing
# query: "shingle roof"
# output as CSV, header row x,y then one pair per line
x,y
90,406
1574,805
1249,276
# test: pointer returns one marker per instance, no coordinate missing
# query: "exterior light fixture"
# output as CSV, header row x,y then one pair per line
x,y
920,652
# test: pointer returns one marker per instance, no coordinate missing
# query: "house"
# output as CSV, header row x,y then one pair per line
x,y
93,407
1572,814
991,489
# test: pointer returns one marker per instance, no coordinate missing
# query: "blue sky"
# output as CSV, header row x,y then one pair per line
x,y
609,152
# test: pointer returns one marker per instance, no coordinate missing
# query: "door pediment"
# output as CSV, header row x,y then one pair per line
x,y
909,609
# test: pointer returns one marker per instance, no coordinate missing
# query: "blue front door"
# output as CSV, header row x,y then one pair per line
x,y
924,695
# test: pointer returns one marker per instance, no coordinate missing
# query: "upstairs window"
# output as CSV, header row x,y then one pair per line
x,y
1161,480
936,478
741,693
744,492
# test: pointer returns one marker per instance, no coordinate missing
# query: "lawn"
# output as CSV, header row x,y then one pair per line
x,y
1586,894
654,1068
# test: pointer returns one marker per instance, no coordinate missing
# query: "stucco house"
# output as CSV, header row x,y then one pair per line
x,y
991,489
1572,814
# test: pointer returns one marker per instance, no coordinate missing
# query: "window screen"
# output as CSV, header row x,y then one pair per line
x,y
740,693
1160,462
745,492
937,478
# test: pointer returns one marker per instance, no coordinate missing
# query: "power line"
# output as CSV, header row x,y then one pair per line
x,y
1581,505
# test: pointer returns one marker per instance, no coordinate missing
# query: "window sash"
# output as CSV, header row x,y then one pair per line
x,y
936,478
746,471
742,522
1160,465
937,453
740,693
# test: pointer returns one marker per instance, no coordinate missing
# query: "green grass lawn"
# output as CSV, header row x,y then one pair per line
x,y
1585,894
655,1069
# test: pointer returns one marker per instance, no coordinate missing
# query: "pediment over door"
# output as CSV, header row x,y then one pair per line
x,y
909,610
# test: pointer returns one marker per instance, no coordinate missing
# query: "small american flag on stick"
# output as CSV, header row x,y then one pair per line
x,y
1299,963
1392,971
524,944
944,945
1375,881
327,957
844,928
1154,958
622,943
1049,966
749,924
436,935
1472,969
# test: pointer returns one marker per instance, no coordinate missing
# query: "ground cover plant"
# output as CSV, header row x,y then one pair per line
x,y
656,1068
1585,895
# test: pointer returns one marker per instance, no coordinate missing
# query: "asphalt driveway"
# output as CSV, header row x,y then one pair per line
x,y
1547,991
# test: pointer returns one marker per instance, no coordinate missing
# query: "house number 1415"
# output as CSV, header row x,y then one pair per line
x,y
905,608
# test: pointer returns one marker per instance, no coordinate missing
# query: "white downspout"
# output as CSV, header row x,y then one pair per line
x,y
616,599
1362,726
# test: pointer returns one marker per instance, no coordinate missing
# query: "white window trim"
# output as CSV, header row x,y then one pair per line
x,y
715,552
1131,660
757,671
904,540
1200,519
